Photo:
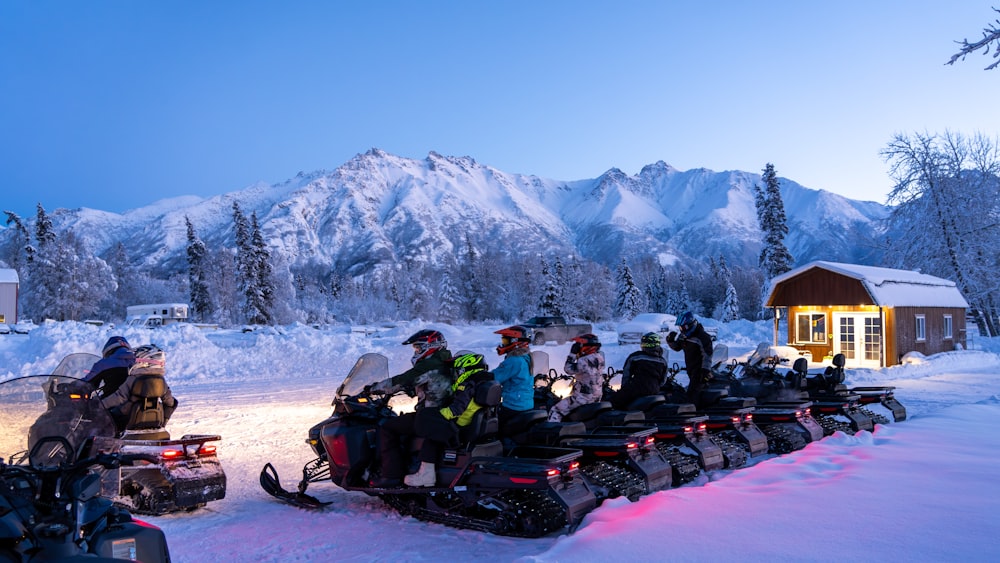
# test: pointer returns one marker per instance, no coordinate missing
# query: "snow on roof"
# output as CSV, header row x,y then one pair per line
x,y
889,287
8,275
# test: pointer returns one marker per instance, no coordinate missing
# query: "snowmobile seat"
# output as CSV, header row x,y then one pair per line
x,y
647,403
522,421
146,412
589,411
484,424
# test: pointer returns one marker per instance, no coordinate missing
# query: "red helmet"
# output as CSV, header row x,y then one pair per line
x,y
585,344
512,337
425,343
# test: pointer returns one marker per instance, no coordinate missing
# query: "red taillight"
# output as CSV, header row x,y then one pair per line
x,y
170,454
749,417
688,429
206,450
736,420
650,440
702,427
631,445
78,396
574,465
523,481
552,472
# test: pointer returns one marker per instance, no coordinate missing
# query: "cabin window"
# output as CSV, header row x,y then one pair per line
x,y
947,328
811,328
921,326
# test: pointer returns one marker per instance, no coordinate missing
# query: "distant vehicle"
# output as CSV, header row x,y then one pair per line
x,y
155,314
24,327
4,328
547,329
631,332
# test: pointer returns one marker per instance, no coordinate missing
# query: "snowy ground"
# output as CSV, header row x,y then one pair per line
x,y
927,489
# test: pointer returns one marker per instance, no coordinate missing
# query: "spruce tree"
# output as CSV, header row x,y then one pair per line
x,y
201,301
629,302
774,257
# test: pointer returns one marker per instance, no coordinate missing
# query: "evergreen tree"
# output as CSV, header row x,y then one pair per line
x,y
774,257
201,300
629,301
449,297
731,306
258,290
44,231
17,250
549,304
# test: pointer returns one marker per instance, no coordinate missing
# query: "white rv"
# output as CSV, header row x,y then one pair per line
x,y
156,314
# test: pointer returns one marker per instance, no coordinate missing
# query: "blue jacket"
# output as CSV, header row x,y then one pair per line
x,y
514,374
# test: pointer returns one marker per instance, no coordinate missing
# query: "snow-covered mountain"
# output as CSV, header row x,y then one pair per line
x,y
379,208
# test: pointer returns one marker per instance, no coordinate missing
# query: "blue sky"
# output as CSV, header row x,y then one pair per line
x,y
116,104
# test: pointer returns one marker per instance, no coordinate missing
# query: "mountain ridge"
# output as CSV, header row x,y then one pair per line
x,y
379,209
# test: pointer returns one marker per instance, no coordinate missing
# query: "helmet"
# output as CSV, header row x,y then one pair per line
x,y
149,360
425,343
687,323
512,337
114,343
467,364
585,344
650,340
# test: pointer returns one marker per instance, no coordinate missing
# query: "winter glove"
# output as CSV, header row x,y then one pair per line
x,y
672,336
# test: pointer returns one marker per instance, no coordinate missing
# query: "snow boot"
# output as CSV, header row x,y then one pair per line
x,y
426,476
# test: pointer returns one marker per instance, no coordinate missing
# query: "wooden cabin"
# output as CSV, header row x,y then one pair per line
x,y
871,315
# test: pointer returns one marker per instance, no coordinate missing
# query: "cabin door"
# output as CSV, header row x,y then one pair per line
x,y
858,336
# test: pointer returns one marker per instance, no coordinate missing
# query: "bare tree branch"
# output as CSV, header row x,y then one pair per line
x,y
990,34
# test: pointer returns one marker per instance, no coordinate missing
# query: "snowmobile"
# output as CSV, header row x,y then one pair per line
x,y
620,456
735,418
831,383
759,377
529,491
51,506
184,473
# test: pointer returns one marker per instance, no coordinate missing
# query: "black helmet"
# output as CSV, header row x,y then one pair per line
x,y
585,344
516,336
149,360
425,343
650,340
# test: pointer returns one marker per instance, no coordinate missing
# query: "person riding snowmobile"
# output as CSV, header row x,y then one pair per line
x,y
430,380
439,427
150,364
643,373
108,373
514,372
586,363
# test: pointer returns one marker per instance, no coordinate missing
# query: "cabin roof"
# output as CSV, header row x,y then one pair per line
x,y
888,287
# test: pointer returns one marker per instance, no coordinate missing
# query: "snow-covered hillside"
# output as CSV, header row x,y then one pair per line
x,y
919,490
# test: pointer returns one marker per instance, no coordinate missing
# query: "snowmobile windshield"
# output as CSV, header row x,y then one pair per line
x,y
46,406
720,355
369,369
60,405
539,362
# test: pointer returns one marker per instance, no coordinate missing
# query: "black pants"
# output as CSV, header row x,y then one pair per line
x,y
436,431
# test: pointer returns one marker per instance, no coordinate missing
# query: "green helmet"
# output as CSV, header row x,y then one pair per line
x,y
650,340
